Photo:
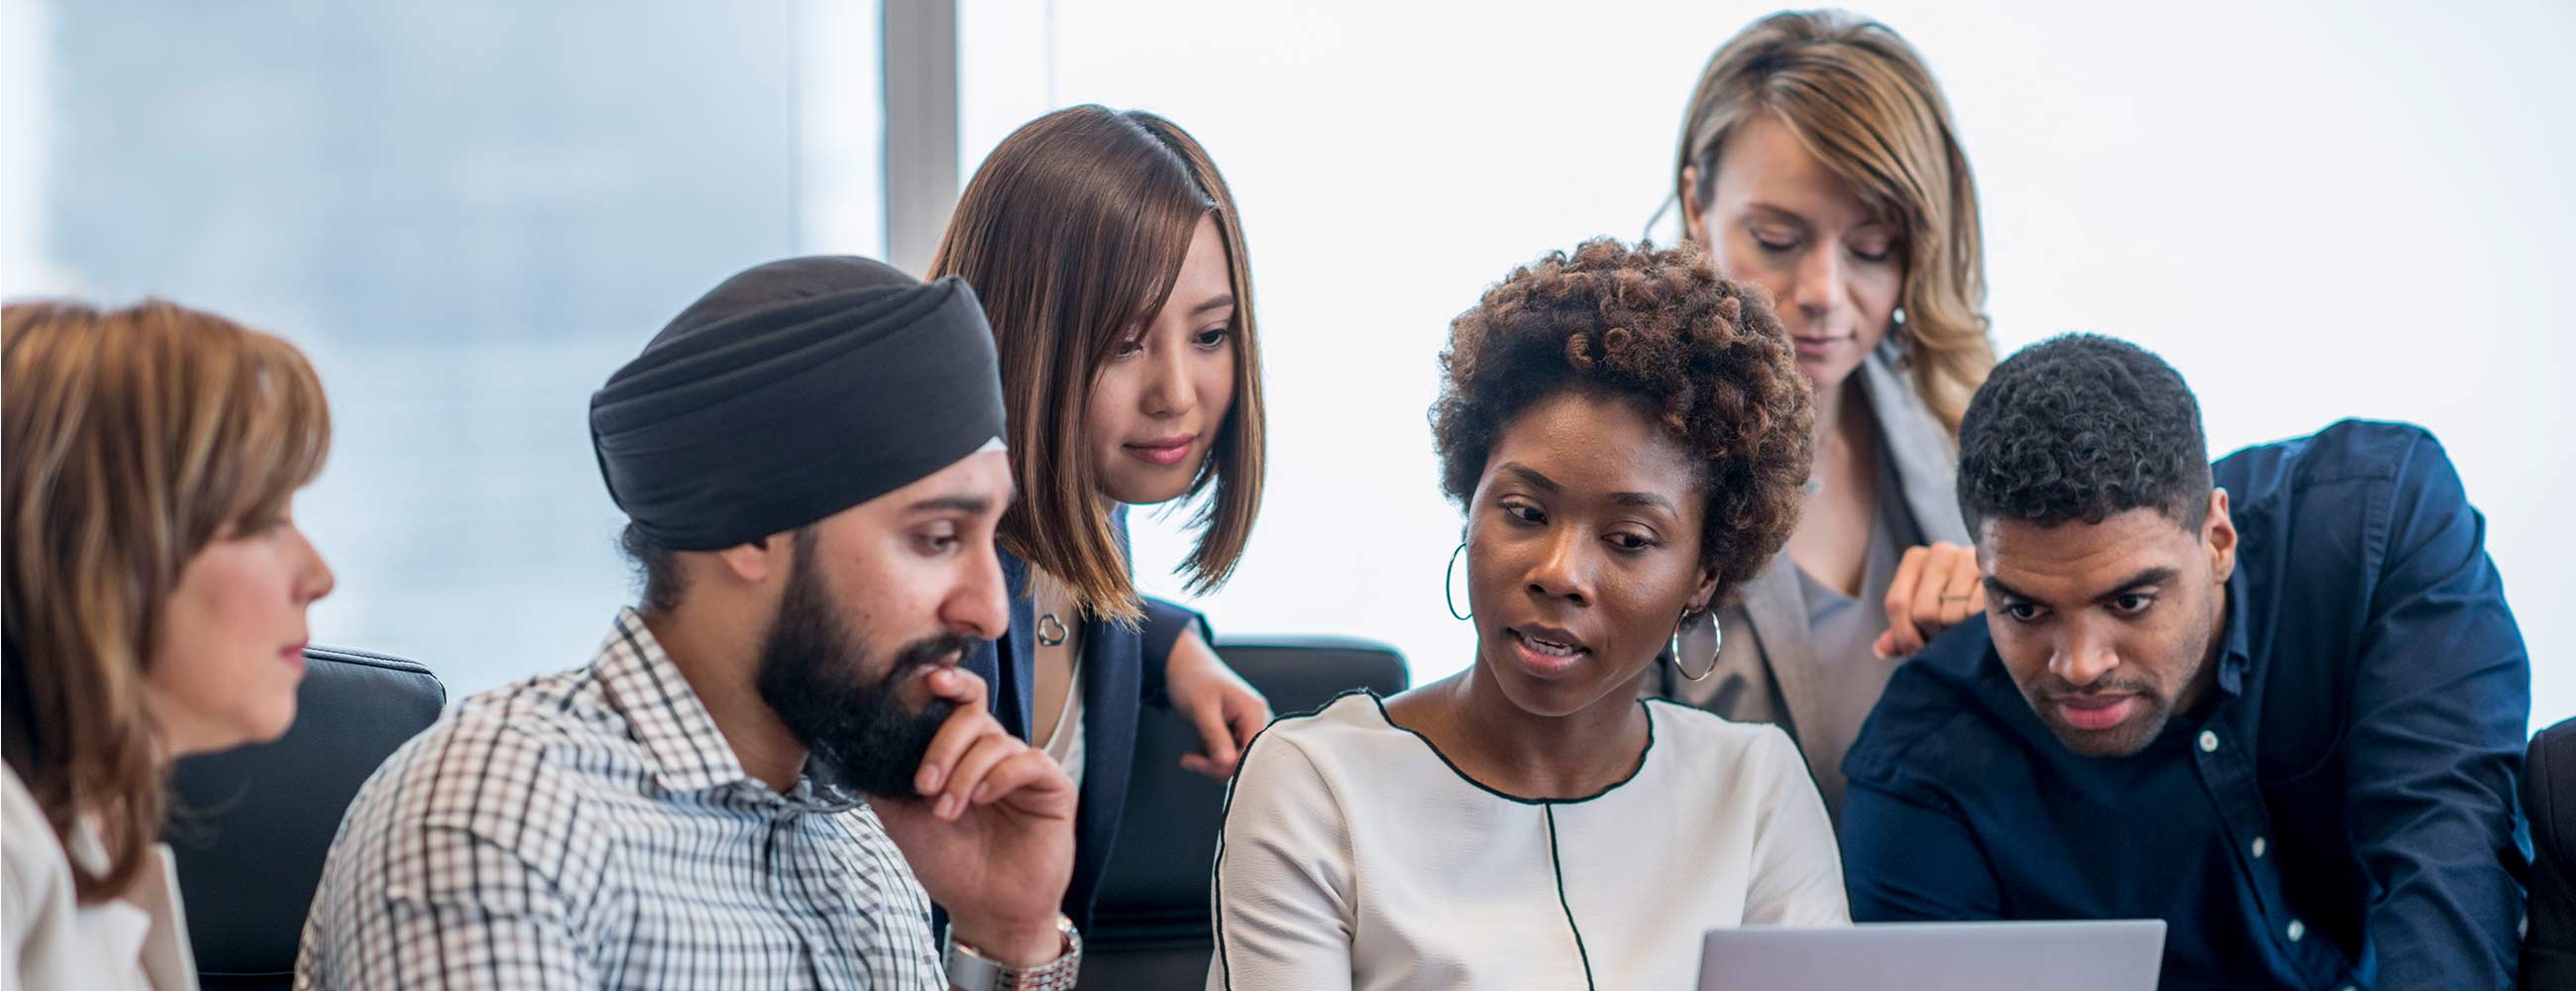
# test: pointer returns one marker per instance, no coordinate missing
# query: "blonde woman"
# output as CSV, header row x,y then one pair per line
x,y
156,596
1818,161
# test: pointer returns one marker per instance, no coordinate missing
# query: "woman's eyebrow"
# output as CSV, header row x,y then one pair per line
x,y
1645,499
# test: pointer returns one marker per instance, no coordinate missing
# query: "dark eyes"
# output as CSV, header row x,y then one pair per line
x,y
1626,542
1205,340
2127,605
939,540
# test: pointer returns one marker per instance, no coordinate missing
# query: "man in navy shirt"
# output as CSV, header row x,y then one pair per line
x,y
2277,702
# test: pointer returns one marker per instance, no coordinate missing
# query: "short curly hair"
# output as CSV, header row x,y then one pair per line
x,y
2082,426
1705,357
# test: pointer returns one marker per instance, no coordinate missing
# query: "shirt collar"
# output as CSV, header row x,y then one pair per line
x,y
686,751
2234,657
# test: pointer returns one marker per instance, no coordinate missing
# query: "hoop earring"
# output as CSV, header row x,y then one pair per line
x,y
1718,634
1445,593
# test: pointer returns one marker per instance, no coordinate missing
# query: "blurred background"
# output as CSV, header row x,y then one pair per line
x,y
469,212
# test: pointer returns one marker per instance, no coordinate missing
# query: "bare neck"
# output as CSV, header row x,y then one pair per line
x,y
1843,420
1524,754
713,649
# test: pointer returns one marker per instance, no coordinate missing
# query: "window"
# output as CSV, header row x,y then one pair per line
x,y
469,214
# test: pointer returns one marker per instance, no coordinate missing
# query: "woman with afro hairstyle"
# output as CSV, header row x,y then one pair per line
x,y
1627,435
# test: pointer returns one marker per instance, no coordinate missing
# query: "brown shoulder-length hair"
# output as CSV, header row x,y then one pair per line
x,y
134,438
1860,99
1072,233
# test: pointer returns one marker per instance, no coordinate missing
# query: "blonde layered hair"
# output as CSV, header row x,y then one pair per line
x,y
135,437
1860,100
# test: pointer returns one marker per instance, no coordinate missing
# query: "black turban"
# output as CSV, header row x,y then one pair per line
x,y
793,391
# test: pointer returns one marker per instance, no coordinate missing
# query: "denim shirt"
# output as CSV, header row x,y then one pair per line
x,y
2339,810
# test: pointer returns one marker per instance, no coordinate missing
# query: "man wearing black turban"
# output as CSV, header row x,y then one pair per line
x,y
810,461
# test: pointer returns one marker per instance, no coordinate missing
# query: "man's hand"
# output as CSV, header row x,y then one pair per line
x,y
1219,702
991,833
1936,587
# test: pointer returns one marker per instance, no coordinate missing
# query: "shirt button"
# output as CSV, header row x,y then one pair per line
x,y
2208,741
2298,930
2259,847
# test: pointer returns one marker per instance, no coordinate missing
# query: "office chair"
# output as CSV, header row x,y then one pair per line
x,y
1151,926
249,827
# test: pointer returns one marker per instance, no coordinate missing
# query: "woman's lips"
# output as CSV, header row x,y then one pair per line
x,y
1817,347
1165,452
293,654
1543,659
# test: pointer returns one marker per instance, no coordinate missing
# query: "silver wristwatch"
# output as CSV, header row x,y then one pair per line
x,y
970,970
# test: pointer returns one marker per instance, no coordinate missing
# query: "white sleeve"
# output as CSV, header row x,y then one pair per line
x,y
1797,868
1282,883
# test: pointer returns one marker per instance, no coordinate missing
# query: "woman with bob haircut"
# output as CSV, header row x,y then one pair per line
x,y
1818,161
155,609
1109,257
1627,435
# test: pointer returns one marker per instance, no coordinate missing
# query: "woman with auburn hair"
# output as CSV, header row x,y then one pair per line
x,y
1818,161
1109,258
155,608
1626,434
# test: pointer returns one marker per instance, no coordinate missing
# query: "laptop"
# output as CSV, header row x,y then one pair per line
x,y
1937,956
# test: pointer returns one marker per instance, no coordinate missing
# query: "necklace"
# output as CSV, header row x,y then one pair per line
x,y
1051,631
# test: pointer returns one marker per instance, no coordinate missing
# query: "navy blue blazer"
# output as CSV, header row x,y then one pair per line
x,y
2549,799
1121,670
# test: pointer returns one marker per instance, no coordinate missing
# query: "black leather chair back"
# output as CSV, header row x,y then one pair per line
x,y
1151,926
250,827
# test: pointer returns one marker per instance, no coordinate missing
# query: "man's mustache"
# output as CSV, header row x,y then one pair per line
x,y
929,652
2052,688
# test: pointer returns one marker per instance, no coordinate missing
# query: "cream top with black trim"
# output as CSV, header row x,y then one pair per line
x,y
1355,855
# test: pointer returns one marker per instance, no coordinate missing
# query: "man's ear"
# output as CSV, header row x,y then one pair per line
x,y
1691,205
754,562
2218,534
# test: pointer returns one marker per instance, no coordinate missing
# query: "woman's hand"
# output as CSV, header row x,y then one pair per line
x,y
1219,702
1936,587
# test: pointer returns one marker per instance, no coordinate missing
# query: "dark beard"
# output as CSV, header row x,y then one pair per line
x,y
812,675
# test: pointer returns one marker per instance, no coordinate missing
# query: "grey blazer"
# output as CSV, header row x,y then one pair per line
x,y
1764,669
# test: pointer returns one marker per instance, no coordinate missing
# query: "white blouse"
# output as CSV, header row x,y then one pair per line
x,y
1354,855
1064,742
136,941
